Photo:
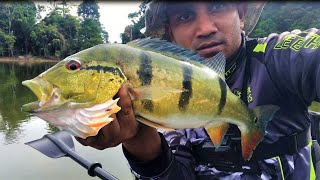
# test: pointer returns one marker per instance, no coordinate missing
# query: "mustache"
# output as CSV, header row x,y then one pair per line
x,y
201,43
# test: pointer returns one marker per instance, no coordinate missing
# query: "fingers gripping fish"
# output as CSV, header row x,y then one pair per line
x,y
170,87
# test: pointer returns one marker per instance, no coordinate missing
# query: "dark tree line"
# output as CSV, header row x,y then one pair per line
x,y
279,16
57,35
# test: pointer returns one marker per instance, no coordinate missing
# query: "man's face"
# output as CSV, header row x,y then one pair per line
x,y
207,28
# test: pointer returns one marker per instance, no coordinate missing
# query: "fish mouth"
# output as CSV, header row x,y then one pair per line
x,y
31,107
48,96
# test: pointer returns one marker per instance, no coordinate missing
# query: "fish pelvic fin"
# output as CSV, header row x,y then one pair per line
x,y
255,133
216,132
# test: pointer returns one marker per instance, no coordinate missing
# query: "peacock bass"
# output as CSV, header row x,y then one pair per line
x,y
170,87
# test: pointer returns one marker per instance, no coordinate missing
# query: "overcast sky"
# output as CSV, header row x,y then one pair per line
x,y
113,15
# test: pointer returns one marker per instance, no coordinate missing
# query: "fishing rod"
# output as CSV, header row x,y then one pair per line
x,y
60,144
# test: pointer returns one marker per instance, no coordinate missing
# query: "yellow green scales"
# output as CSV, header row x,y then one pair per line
x,y
170,87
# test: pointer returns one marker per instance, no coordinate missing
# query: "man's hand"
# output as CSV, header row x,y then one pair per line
x,y
140,140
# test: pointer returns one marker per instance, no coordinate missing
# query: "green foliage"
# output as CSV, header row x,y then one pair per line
x,y
57,35
89,9
17,19
105,36
90,32
23,24
132,31
42,38
7,42
279,16
126,35
68,28
7,14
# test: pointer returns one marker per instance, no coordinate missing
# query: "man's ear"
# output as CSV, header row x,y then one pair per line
x,y
242,11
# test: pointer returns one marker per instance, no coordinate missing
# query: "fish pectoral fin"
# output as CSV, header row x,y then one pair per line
x,y
216,132
149,92
99,122
152,124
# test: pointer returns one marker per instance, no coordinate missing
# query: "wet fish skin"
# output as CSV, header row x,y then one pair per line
x,y
171,88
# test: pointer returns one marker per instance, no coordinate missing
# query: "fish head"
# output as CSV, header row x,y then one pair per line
x,y
82,80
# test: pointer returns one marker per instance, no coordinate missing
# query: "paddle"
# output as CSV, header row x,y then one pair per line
x,y
60,144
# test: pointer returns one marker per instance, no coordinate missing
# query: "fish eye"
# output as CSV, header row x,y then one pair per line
x,y
73,65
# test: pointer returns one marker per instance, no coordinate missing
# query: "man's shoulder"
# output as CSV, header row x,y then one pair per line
x,y
294,39
278,52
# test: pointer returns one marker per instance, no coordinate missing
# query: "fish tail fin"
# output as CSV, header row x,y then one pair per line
x,y
254,134
249,141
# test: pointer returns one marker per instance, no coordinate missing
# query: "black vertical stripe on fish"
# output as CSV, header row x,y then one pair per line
x,y
187,88
145,77
147,104
223,98
145,69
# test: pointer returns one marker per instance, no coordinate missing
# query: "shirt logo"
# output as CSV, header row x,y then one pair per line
x,y
249,94
296,42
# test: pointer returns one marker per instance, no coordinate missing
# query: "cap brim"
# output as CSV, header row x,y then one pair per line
x,y
253,14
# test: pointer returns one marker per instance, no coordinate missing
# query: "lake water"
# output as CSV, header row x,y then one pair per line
x,y
19,161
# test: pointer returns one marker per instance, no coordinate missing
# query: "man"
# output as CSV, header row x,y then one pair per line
x,y
280,70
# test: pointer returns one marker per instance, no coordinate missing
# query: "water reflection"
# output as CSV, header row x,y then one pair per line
x,y
13,95
17,128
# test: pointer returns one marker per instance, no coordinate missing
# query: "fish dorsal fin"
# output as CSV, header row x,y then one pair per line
x,y
217,63
166,48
